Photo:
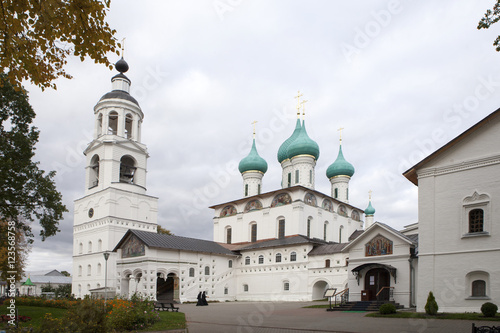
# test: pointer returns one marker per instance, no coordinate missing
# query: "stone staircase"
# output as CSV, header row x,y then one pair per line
x,y
364,306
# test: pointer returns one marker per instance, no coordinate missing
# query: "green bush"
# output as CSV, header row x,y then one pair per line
x,y
489,309
431,307
387,308
87,316
127,315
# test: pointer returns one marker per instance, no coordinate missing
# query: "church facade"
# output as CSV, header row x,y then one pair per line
x,y
289,244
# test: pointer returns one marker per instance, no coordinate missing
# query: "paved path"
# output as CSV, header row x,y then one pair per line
x,y
257,317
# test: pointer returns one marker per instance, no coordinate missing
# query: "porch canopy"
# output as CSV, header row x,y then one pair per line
x,y
391,269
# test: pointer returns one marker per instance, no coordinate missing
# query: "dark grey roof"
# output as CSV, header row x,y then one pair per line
x,y
153,239
121,95
355,234
292,240
330,248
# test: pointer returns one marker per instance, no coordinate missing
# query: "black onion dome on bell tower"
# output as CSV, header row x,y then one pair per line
x,y
121,84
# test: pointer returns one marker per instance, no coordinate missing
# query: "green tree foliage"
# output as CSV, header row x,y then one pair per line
x,y
491,17
27,192
431,307
36,37
489,309
164,231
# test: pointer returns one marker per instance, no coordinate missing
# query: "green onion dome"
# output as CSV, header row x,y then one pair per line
x,y
340,167
253,162
370,210
303,145
283,150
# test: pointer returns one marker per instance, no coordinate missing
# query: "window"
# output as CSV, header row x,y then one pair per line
x,y
327,263
94,171
90,247
113,123
340,233
261,259
476,220
99,269
296,176
80,248
230,264
228,235
293,256
128,126
309,227
191,272
325,228
281,229
80,270
278,257
127,170
245,287
310,176
207,270
246,190
258,188
253,233
286,286
99,125
478,288
99,245
336,193
89,270
247,260
226,290
289,179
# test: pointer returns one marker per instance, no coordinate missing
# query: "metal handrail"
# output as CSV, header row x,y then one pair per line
x,y
383,289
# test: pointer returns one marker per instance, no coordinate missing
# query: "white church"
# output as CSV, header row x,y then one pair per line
x,y
293,243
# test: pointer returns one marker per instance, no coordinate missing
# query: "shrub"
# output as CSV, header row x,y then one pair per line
x,y
387,308
130,315
87,316
489,309
431,307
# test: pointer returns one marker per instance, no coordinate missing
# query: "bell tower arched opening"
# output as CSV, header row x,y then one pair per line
x,y
127,169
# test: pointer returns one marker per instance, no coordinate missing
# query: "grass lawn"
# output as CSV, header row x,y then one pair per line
x,y
459,316
168,320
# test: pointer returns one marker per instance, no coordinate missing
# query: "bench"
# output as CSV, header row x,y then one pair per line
x,y
485,329
165,307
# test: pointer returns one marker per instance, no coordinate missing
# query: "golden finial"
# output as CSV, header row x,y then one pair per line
x,y
370,195
123,47
254,122
340,130
298,102
303,108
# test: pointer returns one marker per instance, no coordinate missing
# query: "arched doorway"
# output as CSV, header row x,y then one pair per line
x,y
375,280
167,289
318,291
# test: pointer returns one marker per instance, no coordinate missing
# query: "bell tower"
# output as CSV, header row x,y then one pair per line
x,y
115,197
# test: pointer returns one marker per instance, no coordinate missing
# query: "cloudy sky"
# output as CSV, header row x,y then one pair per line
x,y
401,77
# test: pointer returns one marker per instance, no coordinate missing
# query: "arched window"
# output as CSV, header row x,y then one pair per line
x,y
336,193
309,227
247,260
246,190
289,179
281,229
261,259
253,232
99,125
293,256
476,220
207,270
99,245
327,263
478,288
278,257
245,287
94,171
127,170
99,269
228,235
230,264
113,123
286,286
80,248
226,290
325,230
89,270
80,270
296,176
191,272
128,126
341,228
90,247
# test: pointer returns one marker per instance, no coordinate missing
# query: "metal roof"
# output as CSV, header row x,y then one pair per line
x,y
163,241
327,249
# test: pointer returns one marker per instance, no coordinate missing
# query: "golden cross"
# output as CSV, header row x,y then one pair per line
x,y
370,194
123,46
298,102
303,108
340,130
254,122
